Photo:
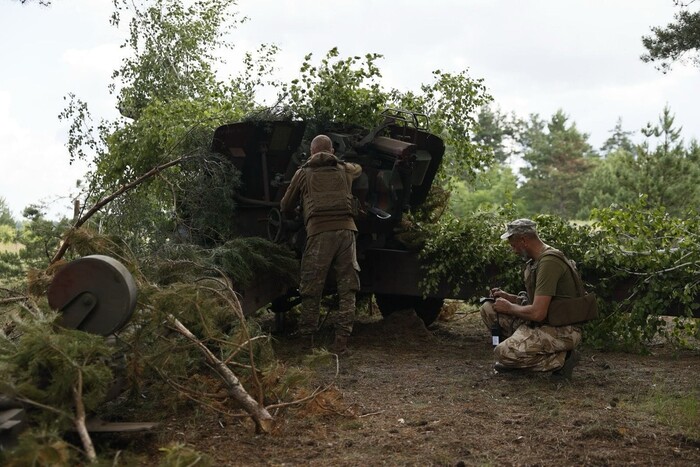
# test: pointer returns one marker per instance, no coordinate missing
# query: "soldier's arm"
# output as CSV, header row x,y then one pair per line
x,y
352,169
537,311
290,200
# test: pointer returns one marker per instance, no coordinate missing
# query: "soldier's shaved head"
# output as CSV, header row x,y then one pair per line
x,y
321,143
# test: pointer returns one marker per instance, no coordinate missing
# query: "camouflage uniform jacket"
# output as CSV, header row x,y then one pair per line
x,y
298,189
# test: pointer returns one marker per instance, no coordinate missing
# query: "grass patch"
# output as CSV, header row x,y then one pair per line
x,y
678,411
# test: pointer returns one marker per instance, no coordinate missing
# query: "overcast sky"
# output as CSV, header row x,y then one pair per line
x,y
536,56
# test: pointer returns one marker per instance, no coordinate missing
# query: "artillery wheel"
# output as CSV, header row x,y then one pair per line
x,y
275,225
427,309
95,294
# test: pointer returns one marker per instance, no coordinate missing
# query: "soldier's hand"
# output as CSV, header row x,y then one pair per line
x,y
496,292
501,305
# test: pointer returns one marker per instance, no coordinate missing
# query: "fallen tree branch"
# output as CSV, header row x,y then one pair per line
x,y
107,199
4,301
34,403
262,418
316,392
235,305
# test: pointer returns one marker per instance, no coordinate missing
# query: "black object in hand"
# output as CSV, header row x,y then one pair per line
x,y
483,300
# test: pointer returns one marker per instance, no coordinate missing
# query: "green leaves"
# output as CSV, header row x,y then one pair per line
x,y
451,103
345,90
661,169
468,254
172,51
171,100
641,262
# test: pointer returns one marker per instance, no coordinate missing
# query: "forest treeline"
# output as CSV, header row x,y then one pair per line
x,y
548,166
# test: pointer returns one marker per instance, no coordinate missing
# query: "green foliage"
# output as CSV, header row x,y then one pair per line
x,y
678,41
661,169
337,90
39,447
557,161
640,261
241,259
6,218
655,258
7,233
194,285
41,362
451,103
172,100
172,51
610,183
40,238
12,271
347,90
668,176
619,140
497,132
467,254
494,187
207,201
564,176
45,363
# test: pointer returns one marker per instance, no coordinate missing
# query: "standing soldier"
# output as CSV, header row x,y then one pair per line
x,y
323,185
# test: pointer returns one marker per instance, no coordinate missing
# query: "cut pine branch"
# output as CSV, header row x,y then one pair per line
x,y
262,418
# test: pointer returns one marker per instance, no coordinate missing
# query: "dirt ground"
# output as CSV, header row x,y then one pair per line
x,y
415,396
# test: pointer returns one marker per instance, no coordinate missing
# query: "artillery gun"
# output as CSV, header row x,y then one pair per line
x,y
400,159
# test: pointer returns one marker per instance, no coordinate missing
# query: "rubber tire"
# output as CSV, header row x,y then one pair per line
x,y
427,309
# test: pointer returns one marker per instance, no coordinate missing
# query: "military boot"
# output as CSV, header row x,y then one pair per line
x,y
566,371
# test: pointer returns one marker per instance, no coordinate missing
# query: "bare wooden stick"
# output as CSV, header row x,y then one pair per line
x,y
3,301
262,418
80,419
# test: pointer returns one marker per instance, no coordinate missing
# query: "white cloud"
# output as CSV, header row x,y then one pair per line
x,y
34,167
99,60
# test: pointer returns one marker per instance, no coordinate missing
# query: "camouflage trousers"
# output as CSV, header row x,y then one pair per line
x,y
535,347
335,248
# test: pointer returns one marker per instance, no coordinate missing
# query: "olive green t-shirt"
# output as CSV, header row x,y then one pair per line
x,y
554,278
